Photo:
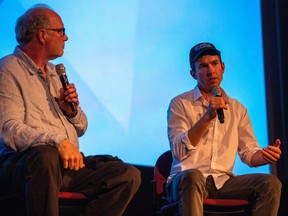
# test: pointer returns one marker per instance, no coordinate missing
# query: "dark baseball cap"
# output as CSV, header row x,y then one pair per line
x,y
202,49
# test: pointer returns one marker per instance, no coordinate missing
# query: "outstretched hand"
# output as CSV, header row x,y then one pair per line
x,y
272,153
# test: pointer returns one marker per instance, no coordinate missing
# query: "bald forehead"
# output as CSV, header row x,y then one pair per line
x,y
39,10
42,11
51,15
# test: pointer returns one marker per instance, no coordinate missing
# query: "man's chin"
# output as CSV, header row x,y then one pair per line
x,y
56,56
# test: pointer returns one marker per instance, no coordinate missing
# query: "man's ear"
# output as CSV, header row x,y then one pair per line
x,y
223,66
41,36
193,74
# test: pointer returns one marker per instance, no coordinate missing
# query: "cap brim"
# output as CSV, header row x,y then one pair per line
x,y
206,52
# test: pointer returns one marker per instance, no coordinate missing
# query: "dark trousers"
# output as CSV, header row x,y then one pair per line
x,y
108,183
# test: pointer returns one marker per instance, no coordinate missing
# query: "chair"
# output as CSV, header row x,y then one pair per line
x,y
70,204
211,206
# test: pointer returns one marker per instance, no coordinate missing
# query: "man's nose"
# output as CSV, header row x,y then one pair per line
x,y
210,70
65,37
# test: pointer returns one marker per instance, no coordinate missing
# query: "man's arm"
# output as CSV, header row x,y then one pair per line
x,y
179,126
70,155
78,117
201,126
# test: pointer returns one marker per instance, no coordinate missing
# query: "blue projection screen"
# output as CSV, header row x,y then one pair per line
x,y
129,58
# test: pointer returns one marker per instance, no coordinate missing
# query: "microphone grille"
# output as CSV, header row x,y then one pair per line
x,y
216,91
60,69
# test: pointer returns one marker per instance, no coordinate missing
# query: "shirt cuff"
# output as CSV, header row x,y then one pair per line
x,y
58,140
185,140
76,118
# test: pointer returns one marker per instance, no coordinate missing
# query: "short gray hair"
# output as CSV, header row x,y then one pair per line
x,y
30,22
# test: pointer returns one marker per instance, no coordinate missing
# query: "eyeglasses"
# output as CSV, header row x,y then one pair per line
x,y
61,31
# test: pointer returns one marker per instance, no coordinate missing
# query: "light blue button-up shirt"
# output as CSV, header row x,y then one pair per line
x,y
29,113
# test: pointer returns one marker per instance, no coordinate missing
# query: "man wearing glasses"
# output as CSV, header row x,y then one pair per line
x,y
39,147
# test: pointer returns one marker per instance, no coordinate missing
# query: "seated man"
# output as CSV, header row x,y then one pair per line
x,y
206,129
39,130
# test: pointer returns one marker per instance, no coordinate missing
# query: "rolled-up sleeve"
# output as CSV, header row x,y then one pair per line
x,y
178,126
248,144
80,122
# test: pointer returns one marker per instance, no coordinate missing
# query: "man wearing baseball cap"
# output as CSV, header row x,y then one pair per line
x,y
206,129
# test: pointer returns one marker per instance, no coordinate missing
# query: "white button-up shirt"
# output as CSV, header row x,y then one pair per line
x,y
215,153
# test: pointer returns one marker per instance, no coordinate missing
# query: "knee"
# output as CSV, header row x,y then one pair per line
x,y
133,176
271,183
191,181
192,177
44,157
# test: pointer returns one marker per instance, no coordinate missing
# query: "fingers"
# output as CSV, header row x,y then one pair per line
x,y
71,157
73,162
272,153
65,164
71,94
81,163
269,157
277,143
218,103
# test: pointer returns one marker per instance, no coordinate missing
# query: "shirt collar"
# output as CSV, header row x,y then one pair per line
x,y
199,96
32,68
197,93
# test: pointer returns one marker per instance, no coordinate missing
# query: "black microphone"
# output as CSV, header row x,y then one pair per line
x,y
61,71
216,91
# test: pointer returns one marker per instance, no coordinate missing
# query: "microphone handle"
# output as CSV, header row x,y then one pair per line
x,y
220,114
65,82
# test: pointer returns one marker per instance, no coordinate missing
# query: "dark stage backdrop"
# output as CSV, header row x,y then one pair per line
x,y
275,34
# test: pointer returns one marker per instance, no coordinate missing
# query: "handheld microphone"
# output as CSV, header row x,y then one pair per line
x,y
216,91
61,71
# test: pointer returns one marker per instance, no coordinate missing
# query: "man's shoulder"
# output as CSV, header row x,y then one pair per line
x,y
188,95
8,60
233,102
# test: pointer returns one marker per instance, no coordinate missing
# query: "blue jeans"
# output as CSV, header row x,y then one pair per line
x,y
189,187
